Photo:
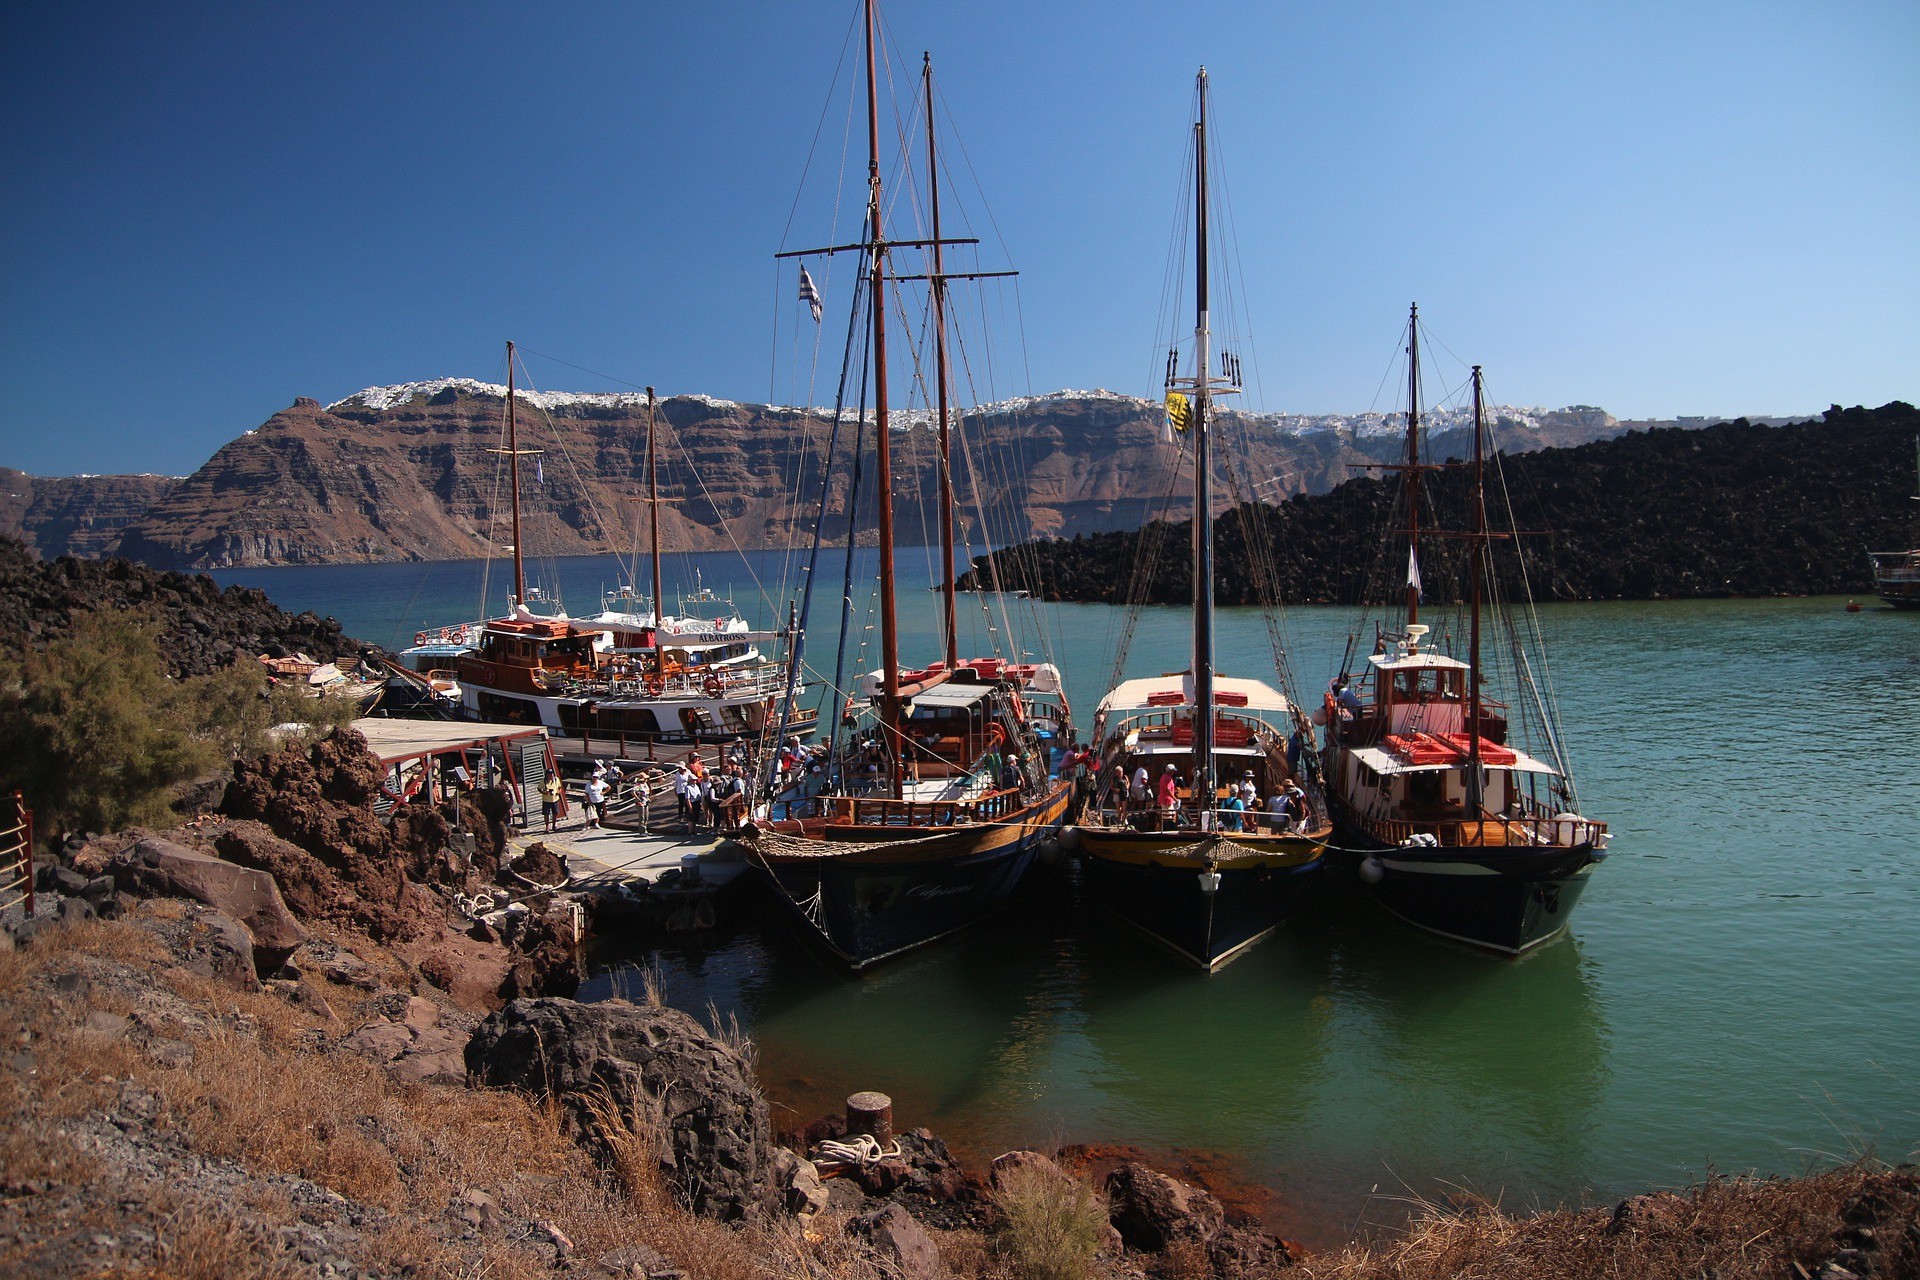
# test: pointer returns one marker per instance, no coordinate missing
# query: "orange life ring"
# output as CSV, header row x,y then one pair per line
x,y
715,686
419,637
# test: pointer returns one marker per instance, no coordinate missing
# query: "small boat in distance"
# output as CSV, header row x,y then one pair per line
x,y
1896,574
1179,857
939,785
1450,825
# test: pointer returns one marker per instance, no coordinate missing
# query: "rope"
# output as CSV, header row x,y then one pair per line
x,y
802,847
861,1150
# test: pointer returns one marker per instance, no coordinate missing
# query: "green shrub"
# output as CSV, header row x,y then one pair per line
x,y
1054,1224
99,736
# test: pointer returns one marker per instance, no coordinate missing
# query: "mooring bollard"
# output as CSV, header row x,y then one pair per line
x,y
871,1113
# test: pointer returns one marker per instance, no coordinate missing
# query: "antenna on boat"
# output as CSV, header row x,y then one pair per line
x,y
1202,781
938,287
1474,788
653,528
1413,463
513,452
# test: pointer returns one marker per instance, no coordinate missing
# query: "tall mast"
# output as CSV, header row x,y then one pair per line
x,y
1479,548
1202,791
883,466
1413,460
513,473
948,611
653,540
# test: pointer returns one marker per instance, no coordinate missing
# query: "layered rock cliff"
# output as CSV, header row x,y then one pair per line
x,y
414,472
74,515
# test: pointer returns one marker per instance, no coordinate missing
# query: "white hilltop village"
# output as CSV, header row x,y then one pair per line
x,y
1443,418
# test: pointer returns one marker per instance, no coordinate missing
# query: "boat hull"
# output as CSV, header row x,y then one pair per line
x,y
1896,577
1137,877
880,900
1507,900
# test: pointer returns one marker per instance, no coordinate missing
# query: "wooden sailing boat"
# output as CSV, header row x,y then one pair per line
x,y
641,677
1452,826
929,815
1206,879
1896,574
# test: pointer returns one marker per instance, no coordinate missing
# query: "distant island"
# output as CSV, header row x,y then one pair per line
x,y
405,473
1734,509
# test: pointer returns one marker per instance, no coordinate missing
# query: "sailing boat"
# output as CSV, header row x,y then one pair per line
x,y
1203,876
624,673
1454,827
1896,574
928,814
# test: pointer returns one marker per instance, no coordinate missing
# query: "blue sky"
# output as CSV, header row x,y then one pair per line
x,y
1661,209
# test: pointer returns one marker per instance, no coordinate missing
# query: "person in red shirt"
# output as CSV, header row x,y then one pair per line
x,y
1168,794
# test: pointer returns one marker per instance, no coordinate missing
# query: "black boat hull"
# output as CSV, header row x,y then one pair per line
x,y
1166,898
866,907
1503,899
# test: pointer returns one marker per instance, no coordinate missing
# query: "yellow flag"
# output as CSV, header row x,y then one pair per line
x,y
1179,412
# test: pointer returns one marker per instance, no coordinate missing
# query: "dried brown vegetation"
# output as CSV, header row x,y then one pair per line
x,y
1725,1227
252,1087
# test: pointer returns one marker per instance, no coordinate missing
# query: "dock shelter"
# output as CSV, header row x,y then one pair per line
x,y
438,755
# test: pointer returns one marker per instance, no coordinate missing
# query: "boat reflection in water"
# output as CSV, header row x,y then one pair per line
x,y
1330,1062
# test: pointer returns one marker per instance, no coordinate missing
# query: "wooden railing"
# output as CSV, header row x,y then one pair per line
x,y
16,854
1491,831
888,812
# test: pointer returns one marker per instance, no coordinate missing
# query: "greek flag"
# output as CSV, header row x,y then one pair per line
x,y
809,294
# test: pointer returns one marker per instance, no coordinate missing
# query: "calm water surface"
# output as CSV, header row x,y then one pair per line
x,y
1741,989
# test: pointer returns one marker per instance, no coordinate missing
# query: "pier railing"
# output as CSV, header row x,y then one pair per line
x,y
16,854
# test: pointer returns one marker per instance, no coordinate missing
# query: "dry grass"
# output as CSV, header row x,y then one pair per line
x,y
1055,1224
262,1091
199,1242
1724,1227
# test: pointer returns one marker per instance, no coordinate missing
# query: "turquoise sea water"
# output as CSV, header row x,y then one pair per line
x,y
1741,990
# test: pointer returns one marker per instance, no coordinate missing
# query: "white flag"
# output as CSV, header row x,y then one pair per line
x,y
1413,573
539,472
809,294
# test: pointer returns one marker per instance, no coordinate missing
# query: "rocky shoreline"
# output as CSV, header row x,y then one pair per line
x,y
265,1042
1735,509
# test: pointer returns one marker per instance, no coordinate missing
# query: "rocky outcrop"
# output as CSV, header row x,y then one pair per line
x,y
1161,1215
203,628
403,473
74,515
159,868
333,857
1735,509
647,1065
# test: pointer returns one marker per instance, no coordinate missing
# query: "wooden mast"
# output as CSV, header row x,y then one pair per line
x,y
653,541
1202,781
1413,460
883,467
948,611
1479,548
513,472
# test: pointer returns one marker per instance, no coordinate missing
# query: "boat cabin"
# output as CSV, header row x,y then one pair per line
x,y
950,726
1411,693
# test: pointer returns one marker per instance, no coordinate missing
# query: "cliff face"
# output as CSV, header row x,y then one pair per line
x,y
414,472
74,515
